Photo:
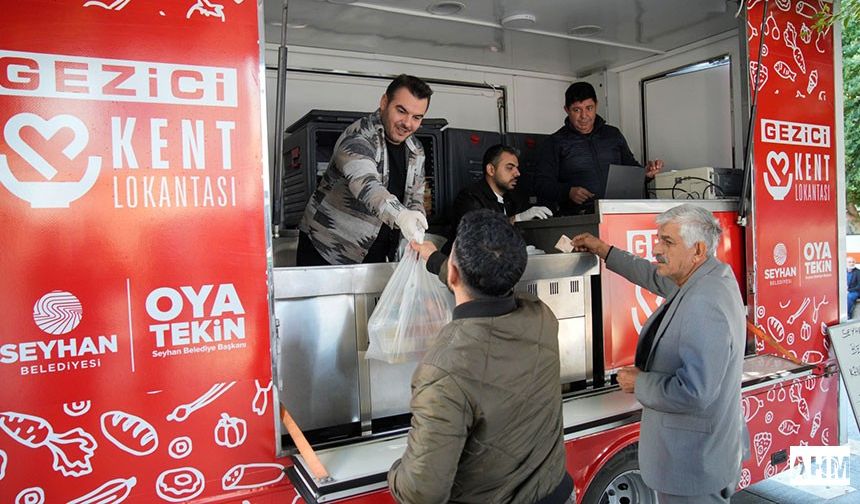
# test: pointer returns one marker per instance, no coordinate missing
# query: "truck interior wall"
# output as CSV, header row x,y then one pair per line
x,y
629,97
694,103
534,100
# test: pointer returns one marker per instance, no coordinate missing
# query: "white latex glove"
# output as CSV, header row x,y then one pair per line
x,y
412,224
535,212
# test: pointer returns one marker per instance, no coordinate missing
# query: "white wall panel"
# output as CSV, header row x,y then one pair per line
x,y
463,107
538,104
630,97
534,99
688,118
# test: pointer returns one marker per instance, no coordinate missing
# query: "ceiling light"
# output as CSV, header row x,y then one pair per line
x,y
445,8
584,31
341,2
518,20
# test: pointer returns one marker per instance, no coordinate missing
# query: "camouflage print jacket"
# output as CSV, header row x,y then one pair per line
x,y
345,213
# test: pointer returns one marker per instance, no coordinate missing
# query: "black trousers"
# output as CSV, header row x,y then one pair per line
x,y
383,249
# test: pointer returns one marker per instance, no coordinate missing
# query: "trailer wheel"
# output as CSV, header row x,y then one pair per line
x,y
619,481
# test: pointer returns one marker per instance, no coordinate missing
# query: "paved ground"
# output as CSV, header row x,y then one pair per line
x,y
778,490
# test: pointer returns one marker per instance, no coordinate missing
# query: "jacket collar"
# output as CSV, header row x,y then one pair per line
x,y
376,123
488,192
486,307
672,302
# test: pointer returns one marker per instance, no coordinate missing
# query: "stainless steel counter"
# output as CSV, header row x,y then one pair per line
x,y
323,377
362,467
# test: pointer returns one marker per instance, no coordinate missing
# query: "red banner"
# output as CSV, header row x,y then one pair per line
x,y
135,344
801,412
795,215
626,306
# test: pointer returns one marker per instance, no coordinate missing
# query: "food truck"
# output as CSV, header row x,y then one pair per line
x,y
157,342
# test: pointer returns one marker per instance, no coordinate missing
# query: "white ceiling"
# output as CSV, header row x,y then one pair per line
x,y
631,29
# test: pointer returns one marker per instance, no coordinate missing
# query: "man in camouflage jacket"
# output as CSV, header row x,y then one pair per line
x,y
355,200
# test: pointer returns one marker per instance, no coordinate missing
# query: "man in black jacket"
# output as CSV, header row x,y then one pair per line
x,y
575,161
494,191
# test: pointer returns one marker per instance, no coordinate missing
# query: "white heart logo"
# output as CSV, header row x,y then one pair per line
x,y
777,168
46,194
640,314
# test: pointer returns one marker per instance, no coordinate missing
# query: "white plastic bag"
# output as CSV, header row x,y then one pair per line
x,y
412,309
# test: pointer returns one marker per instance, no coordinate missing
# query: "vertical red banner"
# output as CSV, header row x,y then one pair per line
x,y
134,352
791,67
795,216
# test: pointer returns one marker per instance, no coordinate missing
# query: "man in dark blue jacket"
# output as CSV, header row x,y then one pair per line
x,y
575,160
853,284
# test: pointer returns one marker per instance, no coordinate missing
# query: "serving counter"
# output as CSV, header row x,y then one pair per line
x,y
334,393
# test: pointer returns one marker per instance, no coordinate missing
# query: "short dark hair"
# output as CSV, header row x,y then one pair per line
x,y
489,252
492,155
579,91
416,86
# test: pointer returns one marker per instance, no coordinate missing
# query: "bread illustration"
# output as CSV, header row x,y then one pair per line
x,y
129,433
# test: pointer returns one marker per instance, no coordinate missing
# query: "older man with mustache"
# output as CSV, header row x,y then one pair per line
x,y
689,359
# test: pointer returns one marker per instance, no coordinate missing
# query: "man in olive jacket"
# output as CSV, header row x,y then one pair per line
x,y
486,399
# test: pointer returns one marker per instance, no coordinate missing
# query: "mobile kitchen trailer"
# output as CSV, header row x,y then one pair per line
x,y
150,337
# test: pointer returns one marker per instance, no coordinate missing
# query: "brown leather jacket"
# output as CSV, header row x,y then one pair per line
x,y
486,409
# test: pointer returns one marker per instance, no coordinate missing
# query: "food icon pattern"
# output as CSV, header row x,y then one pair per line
x,y
789,56
72,450
761,445
180,447
751,406
97,431
129,433
89,457
794,302
806,9
180,485
788,427
786,420
77,408
182,412
230,432
245,476
816,424
746,476
206,8
32,495
261,398
115,5
112,492
758,74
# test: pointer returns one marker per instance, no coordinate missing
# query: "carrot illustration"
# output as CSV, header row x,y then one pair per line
x,y
72,450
